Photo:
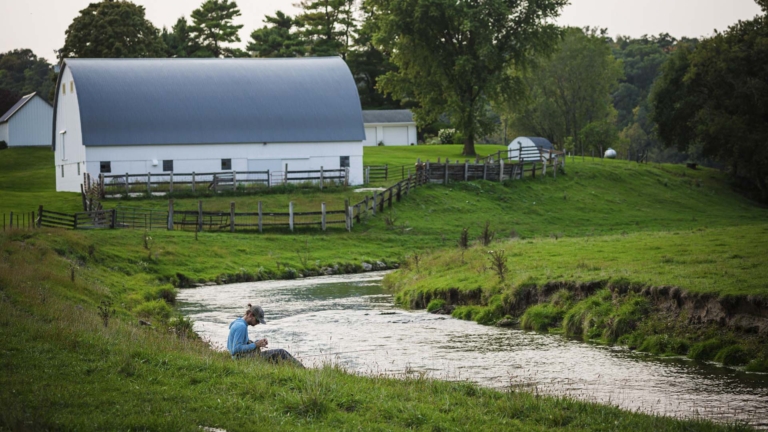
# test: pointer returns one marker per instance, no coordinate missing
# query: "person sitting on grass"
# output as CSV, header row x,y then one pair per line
x,y
240,346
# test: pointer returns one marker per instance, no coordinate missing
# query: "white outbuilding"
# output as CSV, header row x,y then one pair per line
x,y
389,127
139,116
531,149
27,123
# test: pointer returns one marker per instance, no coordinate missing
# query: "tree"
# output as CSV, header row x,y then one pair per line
x,y
276,39
112,29
213,26
569,91
328,26
713,96
8,98
454,57
22,72
179,41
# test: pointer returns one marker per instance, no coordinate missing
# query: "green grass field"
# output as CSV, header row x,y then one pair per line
x,y
599,220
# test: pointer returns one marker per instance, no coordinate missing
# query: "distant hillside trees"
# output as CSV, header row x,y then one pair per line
x,y
714,96
112,29
22,72
567,95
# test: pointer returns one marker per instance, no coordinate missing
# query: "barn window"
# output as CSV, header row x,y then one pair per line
x,y
71,86
344,162
105,167
64,88
168,165
226,164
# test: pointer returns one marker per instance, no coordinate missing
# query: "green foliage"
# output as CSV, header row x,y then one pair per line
x,y
112,29
212,27
277,38
734,355
435,304
179,42
541,317
631,311
706,350
665,345
467,313
327,26
569,93
3,145
154,309
22,73
587,319
453,57
712,95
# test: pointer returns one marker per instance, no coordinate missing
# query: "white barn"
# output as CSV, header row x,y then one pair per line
x,y
390,127
141,116
532,148
27,123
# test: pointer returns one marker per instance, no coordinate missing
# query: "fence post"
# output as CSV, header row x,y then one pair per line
x,y
74,221
149,184
408,185
373,209
170,215
199,216
39,217
346,176
170,185
533,172
285,176
215,183
113,221
269,179
501,170
234,180
193,181
357,216
127,187
321,181
260,216
11,225
290,215
381,201
399,190
367,175
232,216
322,215
554,169
389,204
544,169
466,171
347,221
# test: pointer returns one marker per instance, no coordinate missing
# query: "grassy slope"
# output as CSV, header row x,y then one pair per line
x,y
64,370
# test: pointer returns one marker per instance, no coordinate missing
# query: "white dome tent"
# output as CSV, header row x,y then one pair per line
x,y
530,149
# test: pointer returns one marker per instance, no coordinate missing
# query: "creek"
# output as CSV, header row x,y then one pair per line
x,y
351,320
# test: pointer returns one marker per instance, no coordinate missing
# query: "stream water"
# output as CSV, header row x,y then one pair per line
x,y
351,320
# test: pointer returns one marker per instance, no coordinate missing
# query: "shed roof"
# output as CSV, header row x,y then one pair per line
x,y
17,106
209,101
388,116
538,142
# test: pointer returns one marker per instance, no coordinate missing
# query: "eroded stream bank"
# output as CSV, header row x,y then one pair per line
x,y
351,320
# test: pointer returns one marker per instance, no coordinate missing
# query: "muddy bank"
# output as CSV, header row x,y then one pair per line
x,y
743,314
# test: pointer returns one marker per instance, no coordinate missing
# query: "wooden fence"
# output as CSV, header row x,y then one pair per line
x,y
113,185
98,219
19,220
377,173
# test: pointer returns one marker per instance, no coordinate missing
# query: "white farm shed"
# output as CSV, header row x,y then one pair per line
x,y
27,123
140,116
390,127
530,149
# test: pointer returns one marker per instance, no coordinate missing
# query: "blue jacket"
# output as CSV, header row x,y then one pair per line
x,y
237,343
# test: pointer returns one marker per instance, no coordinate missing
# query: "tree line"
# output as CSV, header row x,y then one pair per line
x,y
481,67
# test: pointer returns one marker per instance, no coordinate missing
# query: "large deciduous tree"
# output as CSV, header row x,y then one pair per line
x,y
453,57
213,27
112,29
277,39
715,96
22,72
568,94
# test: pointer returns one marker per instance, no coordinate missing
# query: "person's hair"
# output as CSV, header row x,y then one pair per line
x,y
249,310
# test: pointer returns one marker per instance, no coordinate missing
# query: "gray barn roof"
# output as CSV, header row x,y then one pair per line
x,y
207,101
387,116
17,106
538,142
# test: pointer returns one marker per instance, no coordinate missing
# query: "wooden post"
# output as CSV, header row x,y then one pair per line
x,y
234,180
285,176
260,216
39,217
269,179
466,171
554,171
485,170
322,215
357,215
321,186
11,225
346,176
82,196
373,208
351,217
445,175
127,188
149,184
367,206
74,221
170,184
347,222
193,181
515,169
390,198
544,169
113,221
232,216
290,215
170,215
408,185
533,172
381,201
101,185
215,183
399,191
199,216
501,171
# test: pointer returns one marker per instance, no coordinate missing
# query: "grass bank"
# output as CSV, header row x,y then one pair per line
x,y
59,339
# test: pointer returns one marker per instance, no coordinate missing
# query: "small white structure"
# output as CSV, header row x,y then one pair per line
x,y
389,127
27,123
139,116
531,149
610,153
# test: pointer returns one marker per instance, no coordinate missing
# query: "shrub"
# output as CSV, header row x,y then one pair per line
x,y
435,304
732,356
446,136
541,317
705,350
154,309
3,145
168,294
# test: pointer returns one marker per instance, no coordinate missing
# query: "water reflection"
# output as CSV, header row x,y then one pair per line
x,y
351,320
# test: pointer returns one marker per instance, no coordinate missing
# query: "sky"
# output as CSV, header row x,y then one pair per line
x,y
40,24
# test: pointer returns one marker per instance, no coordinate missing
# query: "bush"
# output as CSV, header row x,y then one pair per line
x,y
435,304
733,355
541,317
446,136
705,350
154,309
3,145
